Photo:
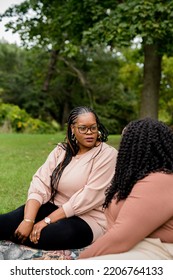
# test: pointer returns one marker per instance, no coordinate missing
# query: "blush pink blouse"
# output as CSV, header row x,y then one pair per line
x,y
81,189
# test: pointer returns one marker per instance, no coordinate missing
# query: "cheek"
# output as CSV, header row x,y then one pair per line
x,y
79,137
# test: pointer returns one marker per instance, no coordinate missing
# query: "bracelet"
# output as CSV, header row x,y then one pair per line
x,y
28,220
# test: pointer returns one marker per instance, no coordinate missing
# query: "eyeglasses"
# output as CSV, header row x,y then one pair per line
x,y
84,129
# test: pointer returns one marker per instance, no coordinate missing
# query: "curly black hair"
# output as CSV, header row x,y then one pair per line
x,y
70,145
146,146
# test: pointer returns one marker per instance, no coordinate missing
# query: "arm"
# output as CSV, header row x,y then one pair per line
x,y
54,217
40,185
38,193
87,198
26,226
142,212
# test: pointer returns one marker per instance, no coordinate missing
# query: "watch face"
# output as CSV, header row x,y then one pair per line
x,y
47,220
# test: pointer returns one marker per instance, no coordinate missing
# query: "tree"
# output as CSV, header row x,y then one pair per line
x,y
57,27
67,27
21,78
152,21
166,92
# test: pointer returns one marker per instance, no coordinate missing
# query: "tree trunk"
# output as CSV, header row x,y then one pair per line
x,y
65,114
51,69
152,76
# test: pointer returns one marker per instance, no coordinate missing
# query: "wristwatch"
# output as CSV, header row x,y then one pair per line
x,y
47,220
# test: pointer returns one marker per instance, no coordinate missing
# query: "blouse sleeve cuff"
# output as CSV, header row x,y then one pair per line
x,y
68,210
36,197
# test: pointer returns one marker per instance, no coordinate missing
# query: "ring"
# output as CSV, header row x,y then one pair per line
x,y
35,232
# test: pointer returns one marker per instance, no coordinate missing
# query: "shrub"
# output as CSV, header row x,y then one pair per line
x,y
14,119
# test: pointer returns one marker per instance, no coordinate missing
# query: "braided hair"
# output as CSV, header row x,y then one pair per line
x,y
146,146
71,147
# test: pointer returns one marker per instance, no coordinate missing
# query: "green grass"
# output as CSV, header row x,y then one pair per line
x,y
114,140
20,156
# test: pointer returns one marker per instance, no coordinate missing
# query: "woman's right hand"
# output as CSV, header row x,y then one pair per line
x,y
25,227
23,230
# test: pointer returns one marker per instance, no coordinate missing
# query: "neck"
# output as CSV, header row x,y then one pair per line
x,y
83,150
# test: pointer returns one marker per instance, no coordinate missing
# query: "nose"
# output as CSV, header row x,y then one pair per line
x,y
89,130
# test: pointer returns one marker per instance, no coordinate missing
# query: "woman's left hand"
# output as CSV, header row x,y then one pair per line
x,y
56,215
36,231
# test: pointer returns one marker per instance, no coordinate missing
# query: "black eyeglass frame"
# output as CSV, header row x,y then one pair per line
x,y
86,128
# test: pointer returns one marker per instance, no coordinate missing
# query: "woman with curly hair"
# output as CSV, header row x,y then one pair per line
x,y
139,202
64,203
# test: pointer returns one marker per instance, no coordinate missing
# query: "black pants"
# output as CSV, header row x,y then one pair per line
x,y
68,233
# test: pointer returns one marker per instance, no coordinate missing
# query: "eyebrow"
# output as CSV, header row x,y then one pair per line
x,y
87,125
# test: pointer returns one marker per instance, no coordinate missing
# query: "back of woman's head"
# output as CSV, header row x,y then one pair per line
x,y
146,146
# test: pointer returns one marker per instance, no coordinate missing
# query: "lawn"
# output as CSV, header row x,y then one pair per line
x,y
21,155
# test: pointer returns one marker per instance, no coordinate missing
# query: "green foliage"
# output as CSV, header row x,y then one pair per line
x,y
22,74
55,22
150,20
82,75
109,81
14,119
166,91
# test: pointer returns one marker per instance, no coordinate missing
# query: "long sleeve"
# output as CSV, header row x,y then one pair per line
x,y
40,185
81,188
92,194
148,207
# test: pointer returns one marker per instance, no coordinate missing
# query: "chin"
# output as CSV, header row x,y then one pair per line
x,y
90,145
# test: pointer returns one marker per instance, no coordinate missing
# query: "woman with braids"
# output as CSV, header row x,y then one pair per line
x,y
64,203
139,201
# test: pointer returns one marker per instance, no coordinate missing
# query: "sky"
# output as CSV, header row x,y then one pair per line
x,y
8,35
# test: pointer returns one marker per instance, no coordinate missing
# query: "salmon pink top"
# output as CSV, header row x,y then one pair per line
x,y
146,212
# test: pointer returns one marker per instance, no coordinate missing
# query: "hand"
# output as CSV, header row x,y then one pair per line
x,y
23,231
36,231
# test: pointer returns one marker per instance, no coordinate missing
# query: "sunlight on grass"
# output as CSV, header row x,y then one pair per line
x,y
21,156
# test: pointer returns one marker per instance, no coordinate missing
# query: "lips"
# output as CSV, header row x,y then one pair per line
x,y
89,139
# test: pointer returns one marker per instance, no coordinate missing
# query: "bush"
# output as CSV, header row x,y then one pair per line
x,y
14,119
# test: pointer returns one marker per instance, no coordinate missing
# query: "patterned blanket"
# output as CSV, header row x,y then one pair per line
x,y
12,251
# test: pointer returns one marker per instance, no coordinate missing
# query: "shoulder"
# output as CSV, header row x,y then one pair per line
x,y
157,177
109,149
60,149
105,151
155,181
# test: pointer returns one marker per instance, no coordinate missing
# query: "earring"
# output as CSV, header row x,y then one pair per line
x,y
99,134
73,138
